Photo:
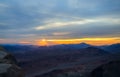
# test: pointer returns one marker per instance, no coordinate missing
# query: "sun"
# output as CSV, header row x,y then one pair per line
x,y
43,42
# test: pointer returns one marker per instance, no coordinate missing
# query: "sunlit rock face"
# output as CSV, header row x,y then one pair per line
x,y
8,65
111,69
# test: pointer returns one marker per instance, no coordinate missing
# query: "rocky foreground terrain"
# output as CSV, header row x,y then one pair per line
x,y
8,65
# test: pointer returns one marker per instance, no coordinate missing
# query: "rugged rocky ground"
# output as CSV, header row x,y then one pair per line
x,y
8,65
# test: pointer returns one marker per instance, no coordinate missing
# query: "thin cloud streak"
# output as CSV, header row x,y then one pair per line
x,y
60,33
78,22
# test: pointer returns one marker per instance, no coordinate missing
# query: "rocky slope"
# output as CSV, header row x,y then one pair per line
x,y
111,69
8,65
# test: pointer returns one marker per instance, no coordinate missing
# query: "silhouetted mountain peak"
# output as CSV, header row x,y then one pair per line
x,y
84,44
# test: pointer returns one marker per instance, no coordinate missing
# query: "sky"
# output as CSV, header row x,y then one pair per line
x,y
51,22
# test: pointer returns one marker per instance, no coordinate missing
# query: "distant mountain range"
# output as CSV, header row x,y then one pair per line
x,y
39,60
72,46
114,48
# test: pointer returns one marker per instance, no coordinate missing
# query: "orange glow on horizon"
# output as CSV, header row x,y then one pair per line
x,y
92,41
42,42
24,42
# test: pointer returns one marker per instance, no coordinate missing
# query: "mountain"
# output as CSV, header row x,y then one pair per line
x,y
38,61
94,50
20,47
60,59
72,46
71,63
114,48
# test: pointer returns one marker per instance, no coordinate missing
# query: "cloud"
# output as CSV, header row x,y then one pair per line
x,y
3,5
60,33
79,4
78,22
24,42
36,19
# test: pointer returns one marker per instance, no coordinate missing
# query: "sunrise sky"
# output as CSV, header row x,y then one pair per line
x,y
51,22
